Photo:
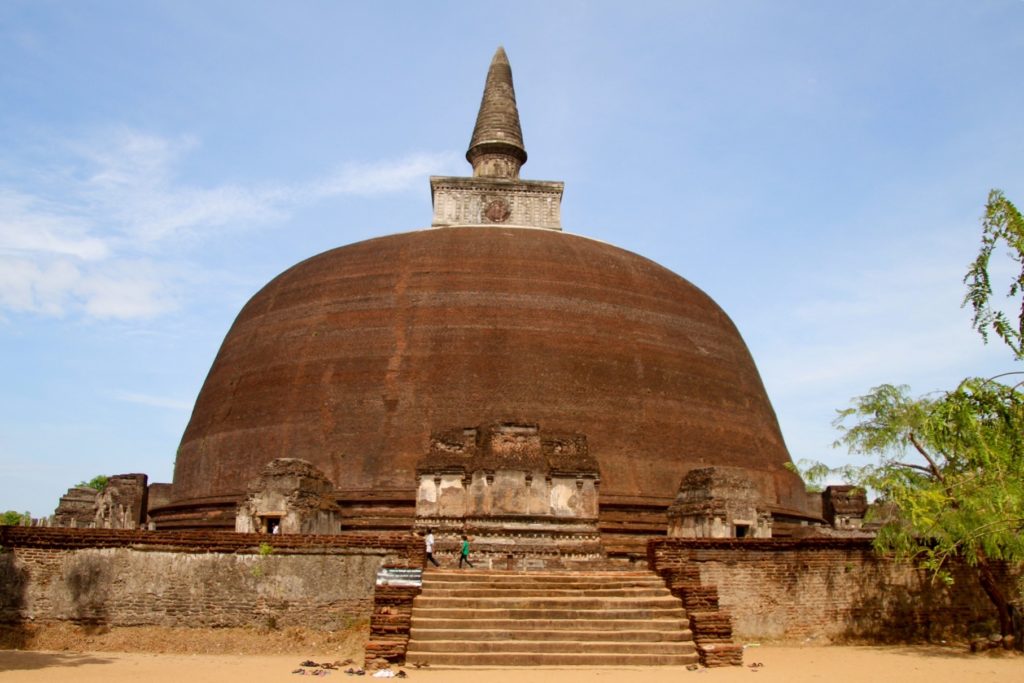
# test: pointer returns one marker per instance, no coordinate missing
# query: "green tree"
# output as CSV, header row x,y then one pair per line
x,y
12,518
99,482
1002,225
951,464
953,467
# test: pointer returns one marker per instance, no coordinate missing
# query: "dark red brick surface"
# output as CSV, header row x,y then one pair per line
x,y
352,358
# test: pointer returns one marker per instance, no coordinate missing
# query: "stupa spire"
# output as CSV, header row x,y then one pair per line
x,y
496,149
496,195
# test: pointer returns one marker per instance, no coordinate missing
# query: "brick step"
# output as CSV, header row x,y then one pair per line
x,y
549,613
589,659
567,602
610,617
611,625
555,646
506,582
556,576
541,592
520,632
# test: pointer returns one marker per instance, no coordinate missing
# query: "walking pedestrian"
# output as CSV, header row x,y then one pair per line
x,y
429,542
464,554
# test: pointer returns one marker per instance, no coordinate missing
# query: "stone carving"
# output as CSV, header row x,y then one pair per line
x,y
507,469
476,201
528,498
290,497
497,211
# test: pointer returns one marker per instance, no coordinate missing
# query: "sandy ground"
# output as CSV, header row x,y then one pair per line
x,y
849,664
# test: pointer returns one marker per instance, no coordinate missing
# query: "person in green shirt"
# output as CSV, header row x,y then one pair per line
x,y
464,555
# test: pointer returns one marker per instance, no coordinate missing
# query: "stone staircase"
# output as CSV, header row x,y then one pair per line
x,y
585,618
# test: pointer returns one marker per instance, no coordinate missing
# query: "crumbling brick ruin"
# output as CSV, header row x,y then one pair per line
x,y
77,508
528,498
718,502
122,504
290,496
844,507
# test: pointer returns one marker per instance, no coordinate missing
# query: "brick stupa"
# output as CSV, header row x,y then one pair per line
x,y
353,359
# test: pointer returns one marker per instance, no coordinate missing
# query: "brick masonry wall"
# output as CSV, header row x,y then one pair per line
x,y
188,579
390,624
828,589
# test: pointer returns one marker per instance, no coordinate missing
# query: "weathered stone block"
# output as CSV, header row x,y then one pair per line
x,y
290,496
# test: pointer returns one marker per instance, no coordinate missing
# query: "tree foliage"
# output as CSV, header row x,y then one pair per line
x,y
1001,225
99,482
949,466
12,518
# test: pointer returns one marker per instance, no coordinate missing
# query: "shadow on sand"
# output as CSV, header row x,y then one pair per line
x,y
944,651
22,660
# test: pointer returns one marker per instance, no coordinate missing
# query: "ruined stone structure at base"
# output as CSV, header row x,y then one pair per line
x,y
289,497
527,498
717,502
122,504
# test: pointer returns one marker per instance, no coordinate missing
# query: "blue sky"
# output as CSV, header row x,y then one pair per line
x,y
819,168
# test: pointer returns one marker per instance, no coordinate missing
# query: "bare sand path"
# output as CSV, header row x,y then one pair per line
x,y
863,664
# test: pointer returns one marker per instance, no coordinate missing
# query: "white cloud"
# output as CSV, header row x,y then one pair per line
x,y
53,287
83,239
29,224
154,401
897,321
26,286
385,177
128,290
853,327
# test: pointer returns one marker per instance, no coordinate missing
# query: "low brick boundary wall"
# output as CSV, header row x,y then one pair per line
x,y
189,579
827,589
401,549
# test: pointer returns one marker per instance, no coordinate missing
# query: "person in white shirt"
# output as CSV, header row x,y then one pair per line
x,y
429,540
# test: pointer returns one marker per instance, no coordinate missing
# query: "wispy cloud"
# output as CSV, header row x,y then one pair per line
x,y
384,177
154,401
897,322
32,225
88,238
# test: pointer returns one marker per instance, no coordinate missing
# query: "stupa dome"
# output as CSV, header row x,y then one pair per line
x,y
351,359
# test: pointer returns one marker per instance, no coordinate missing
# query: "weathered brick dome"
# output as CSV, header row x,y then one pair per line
x,y
352,358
